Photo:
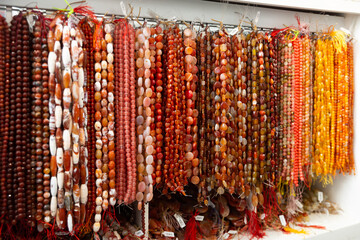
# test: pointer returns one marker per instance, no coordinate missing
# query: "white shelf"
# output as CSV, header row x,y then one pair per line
x,y
338,227
337,6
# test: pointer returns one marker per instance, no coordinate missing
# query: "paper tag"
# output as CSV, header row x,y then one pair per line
x,y
345,30
211,204
232,232
168,234
199,218
320,197
226,235
180,220
139,233
173,19
282,220
257,17
326,212
234,31
123,8
31,22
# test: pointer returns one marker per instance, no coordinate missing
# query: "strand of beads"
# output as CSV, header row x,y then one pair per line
x,y
342,111
141,120
319,68
279,115
336,108
10,176
36,127
111,191
83,122
296,106
130,113
89,67
120,164
22,116
350,57
192,113
257,80
158,158
180,127
208,110
210,100
201,100
300,114
44,162
241,59
216,115
105,75
77,118
148,104
70,124
224,123
232,132
151,160
28,163
267,147
111,115
131,48
98,115
273,107
169,109
306,135
289,111
234,63
62,101
247,167
52,138
4,110
329,122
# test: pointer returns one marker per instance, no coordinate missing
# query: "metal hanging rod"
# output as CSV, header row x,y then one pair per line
x,y
144,19
148,19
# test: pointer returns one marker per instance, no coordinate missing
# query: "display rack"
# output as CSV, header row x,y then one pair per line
x,y
345,190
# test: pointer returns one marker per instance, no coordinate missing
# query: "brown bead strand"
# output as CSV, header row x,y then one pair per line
x,y
4,110
213,153
46,166
22,158
201,56
267,63
89,62
210,94
273,108
36,116
11,174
